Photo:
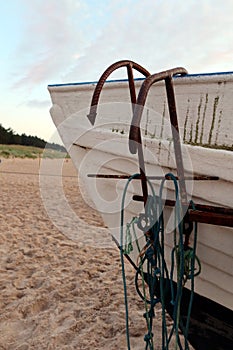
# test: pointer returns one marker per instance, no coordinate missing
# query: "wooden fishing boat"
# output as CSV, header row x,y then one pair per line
x,y
166,123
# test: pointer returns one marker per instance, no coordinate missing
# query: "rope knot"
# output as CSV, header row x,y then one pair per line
x,y
157,272
148,337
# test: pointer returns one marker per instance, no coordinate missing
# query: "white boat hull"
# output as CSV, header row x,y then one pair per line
x,y
205,106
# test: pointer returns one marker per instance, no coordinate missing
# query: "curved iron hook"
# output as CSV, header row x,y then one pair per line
x,y
130,65
135,141
134,134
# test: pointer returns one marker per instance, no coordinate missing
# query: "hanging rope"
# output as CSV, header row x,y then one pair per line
x,y
122,259
151,223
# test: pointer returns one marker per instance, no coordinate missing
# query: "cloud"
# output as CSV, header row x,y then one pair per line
x,y
45,104
161,35
70,40
50,42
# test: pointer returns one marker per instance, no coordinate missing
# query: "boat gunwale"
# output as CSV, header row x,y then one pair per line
x,y
218,77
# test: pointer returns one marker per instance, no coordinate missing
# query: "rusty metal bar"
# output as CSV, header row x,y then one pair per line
x,y
148,82
207,214
140,150
135,133
135,142
209,218
176,140
131,84
199,207
154,177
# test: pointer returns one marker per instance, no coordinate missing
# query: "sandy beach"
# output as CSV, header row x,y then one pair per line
x,y
59,292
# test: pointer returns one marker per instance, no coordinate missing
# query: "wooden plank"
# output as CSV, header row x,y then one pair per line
x,y
211,218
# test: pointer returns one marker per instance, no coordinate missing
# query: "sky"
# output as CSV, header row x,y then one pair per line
x,y
61,41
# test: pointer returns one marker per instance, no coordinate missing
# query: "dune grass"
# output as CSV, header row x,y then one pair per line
x,y
19,151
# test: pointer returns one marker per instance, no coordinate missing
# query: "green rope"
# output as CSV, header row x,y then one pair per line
x,y
122,259
128,237
175,300
192,274
156,265
149,336
185,261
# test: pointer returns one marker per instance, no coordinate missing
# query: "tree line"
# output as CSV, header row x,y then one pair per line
x,y
9,137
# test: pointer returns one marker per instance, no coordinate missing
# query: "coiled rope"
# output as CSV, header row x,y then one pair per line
x,y
157,272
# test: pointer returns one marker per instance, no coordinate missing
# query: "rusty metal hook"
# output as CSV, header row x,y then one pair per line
x,y
134,137
135,142
130,66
